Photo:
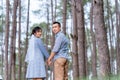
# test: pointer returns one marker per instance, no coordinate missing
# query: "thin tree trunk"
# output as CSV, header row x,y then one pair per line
x,y
55,10
52,37
110,36
52,40
2,50
26,47
48,29
19,43
52,10
74,43
86,56
93,58
47,37
2,60
64,15
13,40
117,33
101,38
6,40
113,50
81,39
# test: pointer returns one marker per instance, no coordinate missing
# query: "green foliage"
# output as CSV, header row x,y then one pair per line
x,y
43,25
0,7
37,12
69,9
60,10
2,20
1,26
1,29
86,1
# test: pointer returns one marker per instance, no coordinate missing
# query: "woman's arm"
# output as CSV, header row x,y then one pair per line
x,y
43,49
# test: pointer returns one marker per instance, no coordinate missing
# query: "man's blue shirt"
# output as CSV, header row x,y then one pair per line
x,y
61,46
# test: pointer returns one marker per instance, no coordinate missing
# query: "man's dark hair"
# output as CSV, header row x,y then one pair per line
x,y
57,23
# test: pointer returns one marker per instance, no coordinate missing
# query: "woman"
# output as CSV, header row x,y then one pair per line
x,y
35,56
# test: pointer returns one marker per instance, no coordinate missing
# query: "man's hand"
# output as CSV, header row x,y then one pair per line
x,y
49,61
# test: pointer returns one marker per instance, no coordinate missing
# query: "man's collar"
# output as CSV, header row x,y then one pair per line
x,y
57,33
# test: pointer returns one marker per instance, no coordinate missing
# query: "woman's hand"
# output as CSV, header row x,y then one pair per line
x,y
49,61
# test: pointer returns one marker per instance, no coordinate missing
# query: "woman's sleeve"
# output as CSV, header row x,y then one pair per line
x,y
43,49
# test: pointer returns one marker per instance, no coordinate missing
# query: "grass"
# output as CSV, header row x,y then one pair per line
x,y
113,77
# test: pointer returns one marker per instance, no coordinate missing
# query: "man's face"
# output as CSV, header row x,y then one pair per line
x,y
55,28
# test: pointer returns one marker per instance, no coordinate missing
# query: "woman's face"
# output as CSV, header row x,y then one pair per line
x,y
38,33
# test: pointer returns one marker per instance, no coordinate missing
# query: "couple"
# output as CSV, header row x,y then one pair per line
x,y
36,53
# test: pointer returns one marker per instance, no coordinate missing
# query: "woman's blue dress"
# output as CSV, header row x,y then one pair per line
x,y
35,58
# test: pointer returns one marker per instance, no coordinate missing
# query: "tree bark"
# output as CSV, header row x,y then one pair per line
x,y
101,38
93,58
13,39
52,37
81,39
64,15
111,50
19,43
54,18
26,47
74,43
117,35
6,39
48,29
47,37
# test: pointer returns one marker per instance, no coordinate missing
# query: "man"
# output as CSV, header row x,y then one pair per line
x,y
59,53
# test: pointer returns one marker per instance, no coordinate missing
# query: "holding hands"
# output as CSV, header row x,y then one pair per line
x,y
49,62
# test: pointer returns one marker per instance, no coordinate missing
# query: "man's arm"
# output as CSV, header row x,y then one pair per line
x,y
50,57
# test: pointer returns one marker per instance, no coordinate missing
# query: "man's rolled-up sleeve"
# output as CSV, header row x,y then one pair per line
x,y
57,44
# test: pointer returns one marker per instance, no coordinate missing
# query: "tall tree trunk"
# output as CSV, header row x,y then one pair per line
x,y
93,58
26,47
110,36
113,50
74,43
101,38
6,39
81,38
52,37
19,43
86,56
2,68
2,50
64,15
48,29
52,11
47,36
117,33
13,39
54,18
13,43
